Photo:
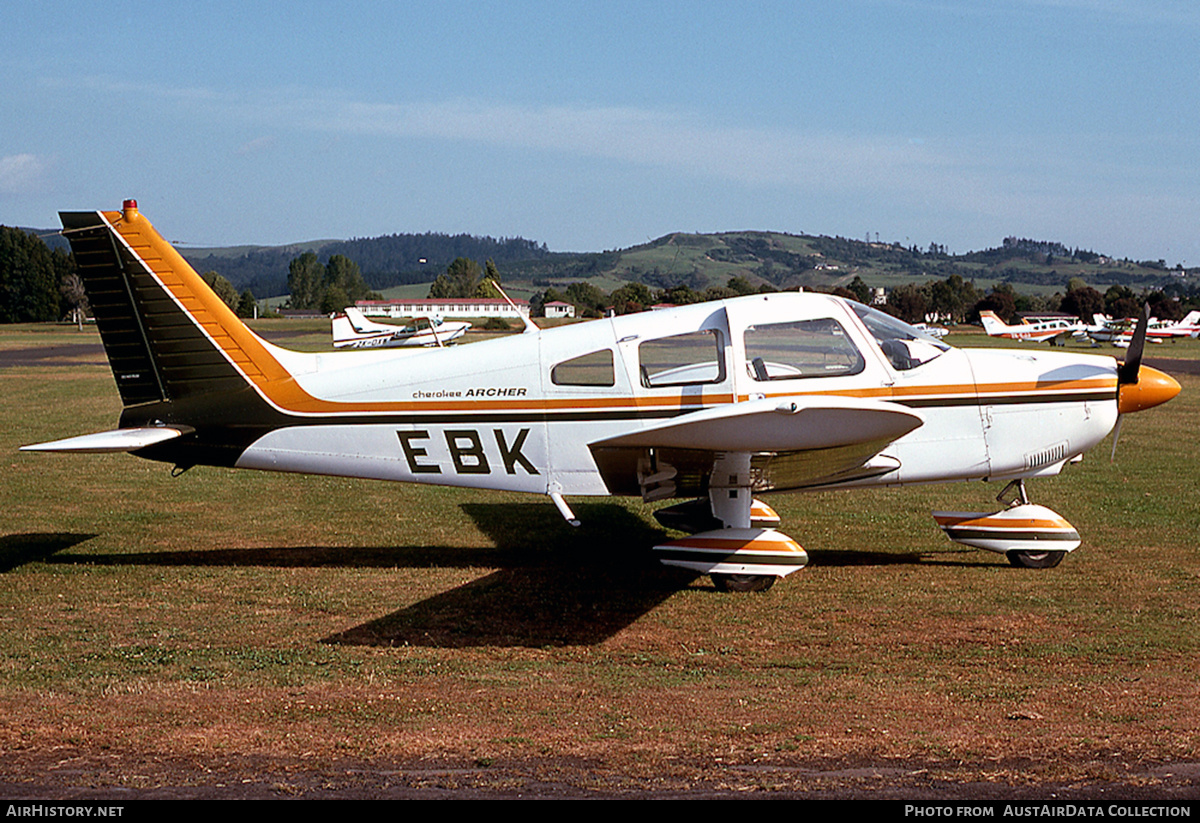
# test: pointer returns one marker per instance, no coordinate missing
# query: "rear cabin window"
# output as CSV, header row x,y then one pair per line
x,y
682,360
801,348
592,369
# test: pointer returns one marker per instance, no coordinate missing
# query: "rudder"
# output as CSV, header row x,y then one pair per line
x,y
166,334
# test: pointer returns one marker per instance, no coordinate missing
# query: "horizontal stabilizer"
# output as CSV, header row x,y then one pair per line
x,y
121,440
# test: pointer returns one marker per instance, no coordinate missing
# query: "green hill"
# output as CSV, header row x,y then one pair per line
x,y
786,261
698,261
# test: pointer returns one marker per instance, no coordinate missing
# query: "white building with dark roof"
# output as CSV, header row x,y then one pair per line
x,y
444,307
557,308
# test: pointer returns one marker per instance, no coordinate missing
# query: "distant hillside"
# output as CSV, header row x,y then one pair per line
x,y
391,260
786,261
694,260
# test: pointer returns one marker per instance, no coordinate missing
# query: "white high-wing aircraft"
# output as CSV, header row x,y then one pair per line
x,y
936,332
711,403
1054,331
351,330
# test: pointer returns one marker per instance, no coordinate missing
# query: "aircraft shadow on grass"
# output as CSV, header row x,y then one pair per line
x,y
576,587
552,585
18,549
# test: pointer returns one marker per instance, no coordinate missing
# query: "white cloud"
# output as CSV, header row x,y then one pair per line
x,y
21,173
256,145
666,139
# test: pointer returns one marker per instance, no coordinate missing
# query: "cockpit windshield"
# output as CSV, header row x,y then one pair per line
x,y
905,347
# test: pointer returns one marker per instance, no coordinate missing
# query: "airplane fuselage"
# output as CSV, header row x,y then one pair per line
x,y
520,412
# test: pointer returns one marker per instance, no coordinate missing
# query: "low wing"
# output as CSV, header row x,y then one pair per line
x,y
794,442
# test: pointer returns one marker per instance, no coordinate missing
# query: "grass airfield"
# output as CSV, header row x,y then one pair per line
x,y
241,634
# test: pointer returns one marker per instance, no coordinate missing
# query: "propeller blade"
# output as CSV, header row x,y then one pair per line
x,y
1128,372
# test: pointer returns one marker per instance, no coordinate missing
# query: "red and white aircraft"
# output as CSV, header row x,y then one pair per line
x,y
1120,332
711,404
1054,331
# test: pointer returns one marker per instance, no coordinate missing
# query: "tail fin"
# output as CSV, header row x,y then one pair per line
x,y
352,330
362,325
167,335
992,324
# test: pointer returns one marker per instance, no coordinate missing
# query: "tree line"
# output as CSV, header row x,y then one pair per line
x,y
385,261
36,283
326,287
953,299
40,284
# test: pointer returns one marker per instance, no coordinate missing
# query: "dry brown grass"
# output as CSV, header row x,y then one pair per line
x,y
240,634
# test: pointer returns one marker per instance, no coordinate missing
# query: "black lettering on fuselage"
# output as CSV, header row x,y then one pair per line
x,y
466,452
469,459
512,456
411,452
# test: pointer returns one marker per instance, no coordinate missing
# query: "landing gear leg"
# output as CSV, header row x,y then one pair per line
x,y
740,557
731,499
1020,498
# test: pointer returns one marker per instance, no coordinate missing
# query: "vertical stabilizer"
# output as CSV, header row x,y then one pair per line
x,y
167,335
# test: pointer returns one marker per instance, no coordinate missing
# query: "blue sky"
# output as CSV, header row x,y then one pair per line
x,y
600,125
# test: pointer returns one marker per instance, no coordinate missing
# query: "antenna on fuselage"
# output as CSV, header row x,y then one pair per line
x,y
530,327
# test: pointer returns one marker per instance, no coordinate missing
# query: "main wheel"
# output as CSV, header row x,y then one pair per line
x,y
1035,560
743,582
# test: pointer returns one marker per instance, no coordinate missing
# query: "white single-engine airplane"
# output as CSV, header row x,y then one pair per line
x,y
712,403
351,330
1055,332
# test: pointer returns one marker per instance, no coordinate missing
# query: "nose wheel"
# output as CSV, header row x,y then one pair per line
x,y
743,582
1028,535
1035,560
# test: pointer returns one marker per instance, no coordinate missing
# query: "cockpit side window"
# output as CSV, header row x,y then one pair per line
x,y
801,348
591,369
904,346
682,359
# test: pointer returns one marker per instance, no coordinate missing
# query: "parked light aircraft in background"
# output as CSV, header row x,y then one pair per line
x,y
351,330
1120,332
710,403
1189,325
1055,332
937,332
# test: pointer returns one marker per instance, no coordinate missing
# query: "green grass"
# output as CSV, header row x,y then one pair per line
x,y
298,617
